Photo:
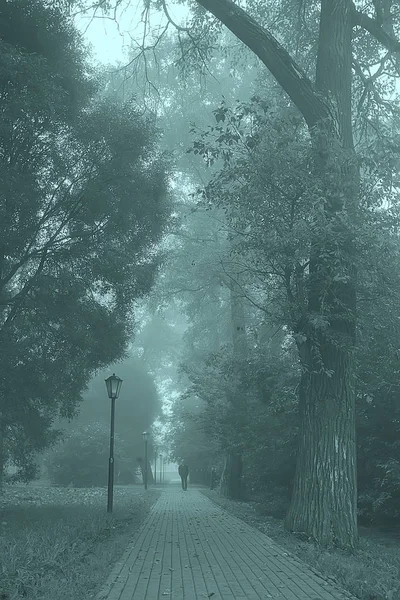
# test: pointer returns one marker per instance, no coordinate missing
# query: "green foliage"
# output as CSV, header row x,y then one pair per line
x,y
379,457
137,406
271,440
206,422
161,88
83,206
264,181
272,214
378,406
47,57
270,211
82,459
188,441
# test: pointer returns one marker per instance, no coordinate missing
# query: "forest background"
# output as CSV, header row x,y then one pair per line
x,y
220,255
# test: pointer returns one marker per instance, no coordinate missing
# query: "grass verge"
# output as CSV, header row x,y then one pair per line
x,y
60,543
371,573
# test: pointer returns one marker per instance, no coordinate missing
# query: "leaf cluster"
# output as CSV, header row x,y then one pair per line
x,y
81,459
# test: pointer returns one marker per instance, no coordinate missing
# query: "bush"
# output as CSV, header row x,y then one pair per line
x,y
81,460
378,460
380,502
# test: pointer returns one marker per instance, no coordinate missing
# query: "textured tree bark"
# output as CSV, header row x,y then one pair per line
x,y
324,496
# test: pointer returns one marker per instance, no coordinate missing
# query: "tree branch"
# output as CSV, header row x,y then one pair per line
x,y
170,19
18,299
278,61
375,29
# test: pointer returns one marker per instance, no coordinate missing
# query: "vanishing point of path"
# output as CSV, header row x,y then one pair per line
x,y
190,549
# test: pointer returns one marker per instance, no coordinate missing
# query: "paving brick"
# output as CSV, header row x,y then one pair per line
x,y
190,549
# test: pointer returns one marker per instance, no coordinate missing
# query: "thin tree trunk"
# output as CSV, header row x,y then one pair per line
x,y
150,476
1,461
2,451
231,479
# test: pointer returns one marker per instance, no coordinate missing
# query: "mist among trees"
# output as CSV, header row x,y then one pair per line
x,y
217,221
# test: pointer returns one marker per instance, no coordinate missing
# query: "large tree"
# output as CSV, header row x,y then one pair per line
x,y
324,499
82,208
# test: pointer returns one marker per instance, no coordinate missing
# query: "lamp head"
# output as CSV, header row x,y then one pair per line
x,y
113,384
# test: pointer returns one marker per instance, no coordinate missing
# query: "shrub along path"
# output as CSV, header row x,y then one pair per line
x,y
189,549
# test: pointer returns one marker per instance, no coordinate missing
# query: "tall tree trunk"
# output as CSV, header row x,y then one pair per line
x,y
150,476
231,479
2,450
324,498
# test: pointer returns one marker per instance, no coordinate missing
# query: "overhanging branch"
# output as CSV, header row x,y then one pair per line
x,y
278,61
374,28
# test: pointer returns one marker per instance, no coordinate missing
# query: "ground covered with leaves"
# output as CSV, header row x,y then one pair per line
x,y
371,573
60,543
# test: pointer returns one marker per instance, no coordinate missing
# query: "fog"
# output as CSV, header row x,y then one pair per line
x,y
200,198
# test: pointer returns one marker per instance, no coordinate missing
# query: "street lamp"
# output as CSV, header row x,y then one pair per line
x,y
145,439
113,384
155,465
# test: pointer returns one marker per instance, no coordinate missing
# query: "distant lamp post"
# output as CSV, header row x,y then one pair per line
x,y
113,384
146,440
155,465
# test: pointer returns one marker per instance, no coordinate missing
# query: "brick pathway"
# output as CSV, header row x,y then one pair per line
x,y
190,549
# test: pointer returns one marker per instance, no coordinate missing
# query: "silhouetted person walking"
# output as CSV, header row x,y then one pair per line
x,y
183,471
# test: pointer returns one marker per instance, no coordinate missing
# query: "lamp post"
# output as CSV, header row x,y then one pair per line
x,y
145,439
155,465
113,384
